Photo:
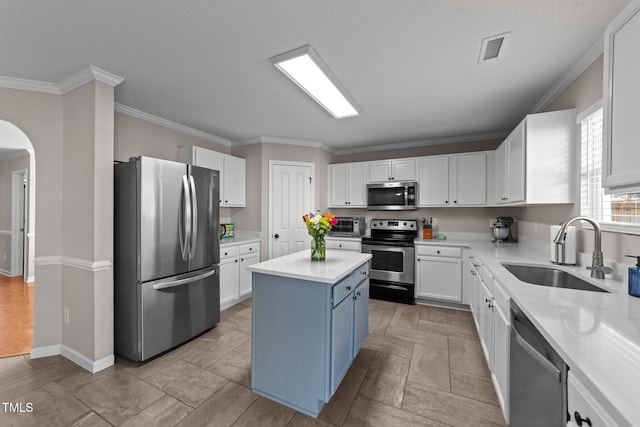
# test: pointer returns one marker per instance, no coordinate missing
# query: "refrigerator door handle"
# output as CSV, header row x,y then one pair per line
x,y
172,282
186,219
194,210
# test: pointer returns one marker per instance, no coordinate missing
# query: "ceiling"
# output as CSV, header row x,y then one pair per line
x,y
411,65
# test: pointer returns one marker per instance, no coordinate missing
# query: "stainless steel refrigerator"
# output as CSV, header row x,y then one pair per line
x,y
167,254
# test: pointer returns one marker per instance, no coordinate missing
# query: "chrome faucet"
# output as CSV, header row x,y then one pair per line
x,y
598,270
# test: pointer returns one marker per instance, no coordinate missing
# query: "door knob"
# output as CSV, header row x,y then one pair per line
x,y
276,235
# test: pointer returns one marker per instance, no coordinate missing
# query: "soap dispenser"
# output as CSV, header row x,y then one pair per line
x,y
634,277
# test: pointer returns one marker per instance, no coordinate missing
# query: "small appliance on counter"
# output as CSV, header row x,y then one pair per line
x,y
563,254
227,231
427,228
503,229
349,226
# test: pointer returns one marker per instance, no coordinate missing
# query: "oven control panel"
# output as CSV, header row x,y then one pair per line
x,y
394,224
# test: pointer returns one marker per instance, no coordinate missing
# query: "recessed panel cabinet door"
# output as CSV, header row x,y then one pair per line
x,y
622,92
341,341
360,316
433,181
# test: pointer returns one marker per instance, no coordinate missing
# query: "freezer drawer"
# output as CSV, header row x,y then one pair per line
x,y
172,313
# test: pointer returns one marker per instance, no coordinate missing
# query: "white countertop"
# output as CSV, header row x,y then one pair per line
x,y
337,265
597,334
240,238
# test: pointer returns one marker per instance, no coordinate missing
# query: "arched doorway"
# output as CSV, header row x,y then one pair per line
x,y
17,240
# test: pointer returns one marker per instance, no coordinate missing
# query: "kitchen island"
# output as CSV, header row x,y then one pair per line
x,y
309,320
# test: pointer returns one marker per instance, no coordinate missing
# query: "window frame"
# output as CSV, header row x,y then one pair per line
x,y
613,227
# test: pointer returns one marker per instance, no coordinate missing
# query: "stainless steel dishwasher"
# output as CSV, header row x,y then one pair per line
x,y
538,377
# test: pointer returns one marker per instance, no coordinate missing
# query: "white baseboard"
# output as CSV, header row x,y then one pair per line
x,y
30,279
50,350
79,359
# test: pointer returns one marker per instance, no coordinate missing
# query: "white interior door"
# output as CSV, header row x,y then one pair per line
x,y
18,222
291,195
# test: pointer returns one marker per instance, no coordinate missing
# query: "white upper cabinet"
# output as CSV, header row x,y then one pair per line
x,y
234,178
621,168
510,167
433,181
455,180
232,172
468,179
536,163
392,170
348,185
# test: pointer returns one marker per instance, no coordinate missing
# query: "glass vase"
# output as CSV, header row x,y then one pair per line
x,y
318,248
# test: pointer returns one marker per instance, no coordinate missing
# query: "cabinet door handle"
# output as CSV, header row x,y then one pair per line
x,y
580,420
276,235
358,293
348,288
438,252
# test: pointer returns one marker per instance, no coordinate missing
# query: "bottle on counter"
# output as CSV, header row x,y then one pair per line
x,y
427,229
634,277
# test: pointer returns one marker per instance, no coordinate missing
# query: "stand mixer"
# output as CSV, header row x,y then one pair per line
x,y
503,230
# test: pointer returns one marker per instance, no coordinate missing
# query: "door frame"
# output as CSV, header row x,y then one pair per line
x,y
19,204
272,164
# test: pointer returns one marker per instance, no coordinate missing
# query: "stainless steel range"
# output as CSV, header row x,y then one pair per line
x,y
393,259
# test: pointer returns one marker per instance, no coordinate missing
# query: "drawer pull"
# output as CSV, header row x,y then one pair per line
x,y
348,288
580,420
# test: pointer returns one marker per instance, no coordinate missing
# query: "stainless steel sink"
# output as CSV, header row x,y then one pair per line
x,y
547,276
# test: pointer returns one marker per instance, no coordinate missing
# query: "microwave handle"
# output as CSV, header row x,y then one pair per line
x,y
406,195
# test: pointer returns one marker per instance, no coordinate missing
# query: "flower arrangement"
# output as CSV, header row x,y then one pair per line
x,y
318,226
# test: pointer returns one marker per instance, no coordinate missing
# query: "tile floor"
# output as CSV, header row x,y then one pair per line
x,y
16,316
420,366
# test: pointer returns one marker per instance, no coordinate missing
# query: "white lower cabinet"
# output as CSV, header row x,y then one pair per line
x,y
235,279
501,336
229,279
439,273
490,308
245,275
583,408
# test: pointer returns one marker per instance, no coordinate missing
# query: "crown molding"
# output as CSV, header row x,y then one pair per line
x,y
485,136
86,75
286,141
574,72
30,85
72,81
169,124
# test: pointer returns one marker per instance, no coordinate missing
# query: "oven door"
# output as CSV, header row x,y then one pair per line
x,y
391,263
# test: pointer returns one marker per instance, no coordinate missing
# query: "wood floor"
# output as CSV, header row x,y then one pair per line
x,y
16,316
420,366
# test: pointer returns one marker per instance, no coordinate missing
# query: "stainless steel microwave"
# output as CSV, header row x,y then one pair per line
x,y
349,226
392,196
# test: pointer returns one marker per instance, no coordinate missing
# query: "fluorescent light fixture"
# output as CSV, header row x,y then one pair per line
x,y
305,67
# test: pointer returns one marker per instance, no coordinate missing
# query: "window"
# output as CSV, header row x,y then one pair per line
x,y
615,212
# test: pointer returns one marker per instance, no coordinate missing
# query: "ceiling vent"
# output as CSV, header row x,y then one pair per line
x,y
492,46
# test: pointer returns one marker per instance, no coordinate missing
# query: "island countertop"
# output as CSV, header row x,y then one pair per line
x,y
298,265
